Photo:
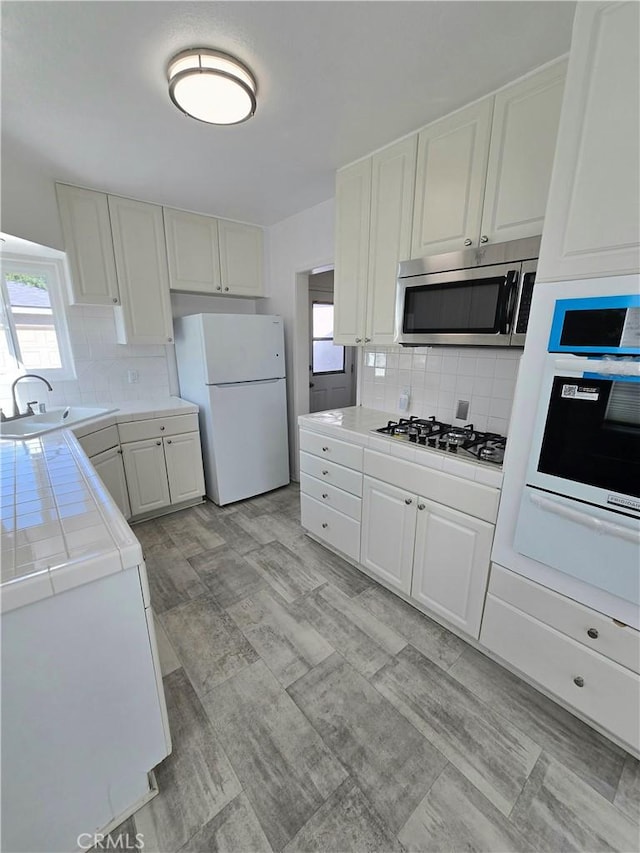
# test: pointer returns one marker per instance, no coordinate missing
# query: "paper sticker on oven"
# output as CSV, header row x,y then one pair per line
x,y
580,392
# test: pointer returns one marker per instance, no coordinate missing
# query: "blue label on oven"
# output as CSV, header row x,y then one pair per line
x,y
613,325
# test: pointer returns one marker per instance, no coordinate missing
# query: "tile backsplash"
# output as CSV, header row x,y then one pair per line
x,y
437,377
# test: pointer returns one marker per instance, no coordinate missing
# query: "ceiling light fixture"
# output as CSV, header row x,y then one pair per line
x,y
211,86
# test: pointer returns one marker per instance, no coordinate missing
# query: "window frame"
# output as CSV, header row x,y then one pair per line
x,y
325,338
54,270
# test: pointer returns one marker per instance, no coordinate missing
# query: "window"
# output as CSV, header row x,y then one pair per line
x,y
33,334
326,357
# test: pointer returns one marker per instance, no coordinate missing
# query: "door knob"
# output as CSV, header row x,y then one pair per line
x,y
484,239
468,242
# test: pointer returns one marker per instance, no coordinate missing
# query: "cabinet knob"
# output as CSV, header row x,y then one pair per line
x,y
358,340
226,289
484,239
120,450
324,524
468,242
115,300
593,633
325,449
578,681
170,340
219,287
367,340
168,441
158,443
421,506
408,501
325,496
325,473
161,429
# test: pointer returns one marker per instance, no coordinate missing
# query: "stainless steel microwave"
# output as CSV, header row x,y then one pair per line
x,y
477,297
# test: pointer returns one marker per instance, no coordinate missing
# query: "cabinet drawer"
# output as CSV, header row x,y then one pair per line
x,y
610,694
332,449
158,427
618,642
99,441
328,472
331,496
335,528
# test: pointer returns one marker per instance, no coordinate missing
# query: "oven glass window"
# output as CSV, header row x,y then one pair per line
x,y
462,306
592,434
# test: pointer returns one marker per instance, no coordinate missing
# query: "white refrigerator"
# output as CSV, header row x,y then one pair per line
x,y
232,366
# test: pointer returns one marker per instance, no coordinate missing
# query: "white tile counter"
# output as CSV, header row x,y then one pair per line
x,y
357,424
137,410
60,527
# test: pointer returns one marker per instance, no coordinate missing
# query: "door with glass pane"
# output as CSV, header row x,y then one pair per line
x,y
331,366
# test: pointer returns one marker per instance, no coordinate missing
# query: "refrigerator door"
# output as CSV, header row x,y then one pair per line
x,y
247,452
242,347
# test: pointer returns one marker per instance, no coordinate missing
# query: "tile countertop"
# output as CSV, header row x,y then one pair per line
x,y
60,527
356,424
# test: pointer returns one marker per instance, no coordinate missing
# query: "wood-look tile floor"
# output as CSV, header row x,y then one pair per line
x,y
311,710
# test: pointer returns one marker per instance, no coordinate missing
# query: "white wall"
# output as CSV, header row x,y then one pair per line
x,y
296,246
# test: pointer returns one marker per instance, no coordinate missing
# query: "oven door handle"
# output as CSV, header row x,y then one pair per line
x,y
596,524
508,302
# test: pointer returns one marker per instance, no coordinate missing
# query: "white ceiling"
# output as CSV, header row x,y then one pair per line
x,y
84,89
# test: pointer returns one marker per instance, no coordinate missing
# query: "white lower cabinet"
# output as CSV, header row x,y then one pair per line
x,y
388,531
183,458
146,475
110,468
451,564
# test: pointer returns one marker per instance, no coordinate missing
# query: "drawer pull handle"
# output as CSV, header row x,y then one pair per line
x,y
325,496
324,473
325,449
593,633
408,501
324,524
421,506
578,681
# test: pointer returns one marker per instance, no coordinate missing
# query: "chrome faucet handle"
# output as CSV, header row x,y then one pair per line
x,y
3,417
29,407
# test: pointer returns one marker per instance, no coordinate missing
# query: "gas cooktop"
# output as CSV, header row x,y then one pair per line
x,y
465,441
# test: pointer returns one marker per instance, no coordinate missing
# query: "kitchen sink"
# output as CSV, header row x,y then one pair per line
x,y
60,418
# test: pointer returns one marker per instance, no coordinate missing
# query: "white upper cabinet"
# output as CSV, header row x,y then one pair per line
x,y
392,184
192,251
523,142
141,264
450,179
374,206
353,200
87,241
241,259
592,224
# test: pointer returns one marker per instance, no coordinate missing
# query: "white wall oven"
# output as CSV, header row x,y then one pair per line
x,y
580,509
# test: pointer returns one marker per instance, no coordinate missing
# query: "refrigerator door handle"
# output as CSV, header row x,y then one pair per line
x,y
248,382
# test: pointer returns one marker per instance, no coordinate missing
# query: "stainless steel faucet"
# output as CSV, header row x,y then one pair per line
x,y
16,409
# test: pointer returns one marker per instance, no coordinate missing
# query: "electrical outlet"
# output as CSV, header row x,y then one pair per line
x,y
403,402
462,410
133,376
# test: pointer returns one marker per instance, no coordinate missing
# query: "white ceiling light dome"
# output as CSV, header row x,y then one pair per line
x,y
211,86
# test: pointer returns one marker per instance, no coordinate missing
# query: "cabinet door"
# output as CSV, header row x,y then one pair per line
x,y
183,456
110,467
241,258
392,185
450,179
451,564
146,473
523,143
353,199
592,223
141,262
86,229
387,533
192,251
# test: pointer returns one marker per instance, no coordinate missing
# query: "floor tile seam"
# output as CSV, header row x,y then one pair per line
x,y
182,604
447,764
222,808
217,547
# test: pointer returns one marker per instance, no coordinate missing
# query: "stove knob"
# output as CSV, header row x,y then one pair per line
x,y
453,448
432,442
